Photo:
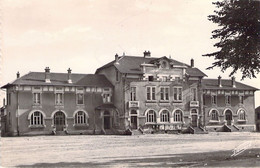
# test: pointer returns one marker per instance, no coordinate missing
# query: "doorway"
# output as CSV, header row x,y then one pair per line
x,y
194,120
228,116
107,122
59,120
133,119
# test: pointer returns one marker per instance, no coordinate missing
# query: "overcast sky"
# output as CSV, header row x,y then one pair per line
x,y
86,34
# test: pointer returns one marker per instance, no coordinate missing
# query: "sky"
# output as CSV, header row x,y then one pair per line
x,y
86,34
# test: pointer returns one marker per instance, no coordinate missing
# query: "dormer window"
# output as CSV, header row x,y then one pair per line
x,y
150,78
164,64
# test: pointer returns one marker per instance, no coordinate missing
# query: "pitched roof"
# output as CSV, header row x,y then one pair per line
x,y
226,85
97,80
131,64
38,78
195,72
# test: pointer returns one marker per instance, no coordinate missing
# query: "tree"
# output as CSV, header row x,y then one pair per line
x,y
238,36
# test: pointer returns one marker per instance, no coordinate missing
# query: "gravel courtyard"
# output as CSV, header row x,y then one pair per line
x,y
117,151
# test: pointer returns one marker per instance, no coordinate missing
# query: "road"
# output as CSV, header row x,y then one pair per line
x,y
127,151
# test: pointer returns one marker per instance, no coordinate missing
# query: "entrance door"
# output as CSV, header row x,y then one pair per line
x,y
106,120
59,120
134,122
194,120
228,117
133,119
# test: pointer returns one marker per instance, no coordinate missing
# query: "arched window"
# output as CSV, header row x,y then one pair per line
x,y
214,115
151,116
165,116
241,114
80,118
177,117
36,118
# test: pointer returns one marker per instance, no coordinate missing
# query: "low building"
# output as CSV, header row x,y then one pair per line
x,y
47,103
230,103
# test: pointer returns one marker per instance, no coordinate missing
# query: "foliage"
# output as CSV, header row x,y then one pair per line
x,y
238,35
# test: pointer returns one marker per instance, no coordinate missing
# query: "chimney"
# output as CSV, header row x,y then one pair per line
x,y
219,81
69,76
147,54
233,82
18,75
47,75
116,57
192,62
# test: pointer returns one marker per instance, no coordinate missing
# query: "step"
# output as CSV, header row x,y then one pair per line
x,y
136,132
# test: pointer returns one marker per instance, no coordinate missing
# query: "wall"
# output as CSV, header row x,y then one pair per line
x,y
48,107
158,105
118,94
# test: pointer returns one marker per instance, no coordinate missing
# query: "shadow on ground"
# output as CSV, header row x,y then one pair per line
x,y
248,158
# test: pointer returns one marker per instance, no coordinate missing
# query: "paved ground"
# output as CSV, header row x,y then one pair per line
x,y
214,149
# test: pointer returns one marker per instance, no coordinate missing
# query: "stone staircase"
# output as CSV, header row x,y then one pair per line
x,y
61,133
137,132
196,130
109,132
230,128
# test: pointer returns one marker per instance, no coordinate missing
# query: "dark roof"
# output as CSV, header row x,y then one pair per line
x,y
94,80
38,78
195,72
226,85
131,64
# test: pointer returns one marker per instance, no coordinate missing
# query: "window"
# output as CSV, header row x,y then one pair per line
x,y
36,118
164,78
193,94
9,99
164,93
151,116
164,64
106,98
36,98
241,115
177,117
9,118
213,99
150,78
165,116
80,98
177,79
228,99
214,115
80,118
59,99
241,99
150,93
177,94
133,93
117,75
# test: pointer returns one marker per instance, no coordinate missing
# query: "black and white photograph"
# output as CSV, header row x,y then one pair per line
x,y
129,83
